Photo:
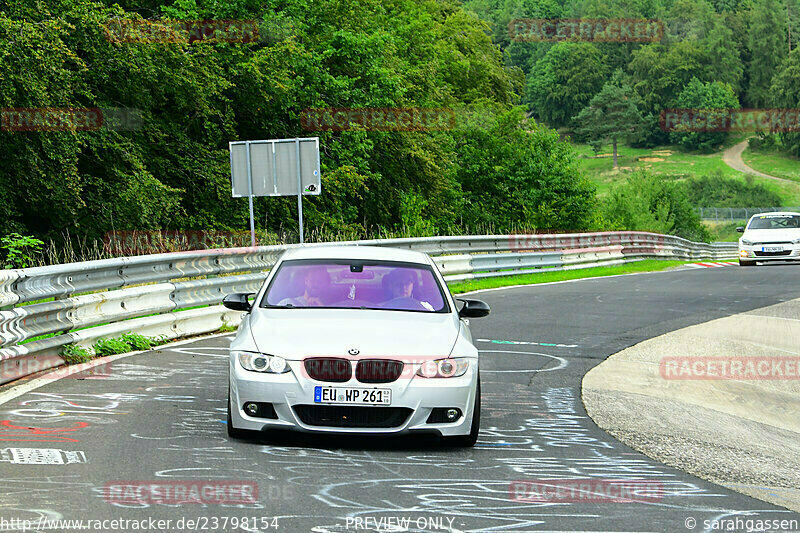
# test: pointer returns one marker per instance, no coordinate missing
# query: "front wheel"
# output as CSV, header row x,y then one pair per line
x,y
745,263
470,439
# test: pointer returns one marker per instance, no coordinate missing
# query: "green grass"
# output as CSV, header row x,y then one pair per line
x,y
724,231
678,165
647,265
774,163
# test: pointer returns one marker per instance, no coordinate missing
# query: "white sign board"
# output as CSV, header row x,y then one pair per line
x,y
274,167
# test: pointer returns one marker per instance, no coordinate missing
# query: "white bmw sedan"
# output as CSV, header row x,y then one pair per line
x,y
770,237
352,340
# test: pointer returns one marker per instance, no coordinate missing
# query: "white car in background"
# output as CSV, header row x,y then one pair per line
x,y
770,237
353,340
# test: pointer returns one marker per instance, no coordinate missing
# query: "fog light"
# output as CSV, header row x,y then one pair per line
x,y
251,409
444,415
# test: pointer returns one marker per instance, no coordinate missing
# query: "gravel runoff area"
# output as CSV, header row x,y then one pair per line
x,y
743,434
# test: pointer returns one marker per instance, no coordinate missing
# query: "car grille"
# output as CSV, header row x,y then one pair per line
x,y
771,242
352,417
328,369
771,254
378,370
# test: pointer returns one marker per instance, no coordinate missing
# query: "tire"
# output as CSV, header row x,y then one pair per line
x,y
233,432
745,263
469,440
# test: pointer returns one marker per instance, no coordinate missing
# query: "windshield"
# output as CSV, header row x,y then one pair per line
x,y
775,222
355,285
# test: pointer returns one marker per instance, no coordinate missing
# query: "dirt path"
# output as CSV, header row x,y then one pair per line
x,y
733,158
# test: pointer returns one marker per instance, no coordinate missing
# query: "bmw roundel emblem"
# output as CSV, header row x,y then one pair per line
x,y
353,351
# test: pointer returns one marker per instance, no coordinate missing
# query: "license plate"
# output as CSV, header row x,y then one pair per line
x,y
357,396
772,249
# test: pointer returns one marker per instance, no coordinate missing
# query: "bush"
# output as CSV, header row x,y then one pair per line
x,y
651,203
111,346
19,250
137,341
715,190
73,354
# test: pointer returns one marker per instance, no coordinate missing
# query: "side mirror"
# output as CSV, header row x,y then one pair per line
x,y
238,301
473,309
740,229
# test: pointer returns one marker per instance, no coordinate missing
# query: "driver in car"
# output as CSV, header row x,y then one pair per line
x,y
316,283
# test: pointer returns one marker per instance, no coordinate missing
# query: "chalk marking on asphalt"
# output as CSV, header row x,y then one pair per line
x,y
65,371
530,343
562,362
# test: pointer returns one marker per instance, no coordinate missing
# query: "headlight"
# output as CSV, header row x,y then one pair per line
x,y
443,368
262,362
746,242
796,241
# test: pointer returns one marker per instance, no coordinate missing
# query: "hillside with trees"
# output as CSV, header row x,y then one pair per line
x,y
503,166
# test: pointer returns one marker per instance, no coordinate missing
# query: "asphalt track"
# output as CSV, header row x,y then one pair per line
x,y
159,417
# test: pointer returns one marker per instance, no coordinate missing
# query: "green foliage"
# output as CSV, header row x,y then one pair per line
x,y
650,203
19,250
137,342
767,47
227,328
111,346
704,96
173,171
516,173
785,91
74,354
612,115
126,343
564,81
411,213
661,72
715,190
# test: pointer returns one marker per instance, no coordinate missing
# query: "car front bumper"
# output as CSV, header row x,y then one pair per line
x,y
790,252
287,392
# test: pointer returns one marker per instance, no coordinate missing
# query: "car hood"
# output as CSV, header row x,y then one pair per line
x,y
299,333
771,235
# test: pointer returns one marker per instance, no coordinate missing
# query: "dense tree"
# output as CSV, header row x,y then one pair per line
x,y
521,175
703,97
172,170
563,82
785,92
767,43
724,62
659,72
612,115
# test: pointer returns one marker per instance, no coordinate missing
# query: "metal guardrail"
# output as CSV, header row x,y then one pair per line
x,y
738,213
178,294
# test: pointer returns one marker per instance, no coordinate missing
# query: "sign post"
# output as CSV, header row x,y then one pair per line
x,y
275,167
